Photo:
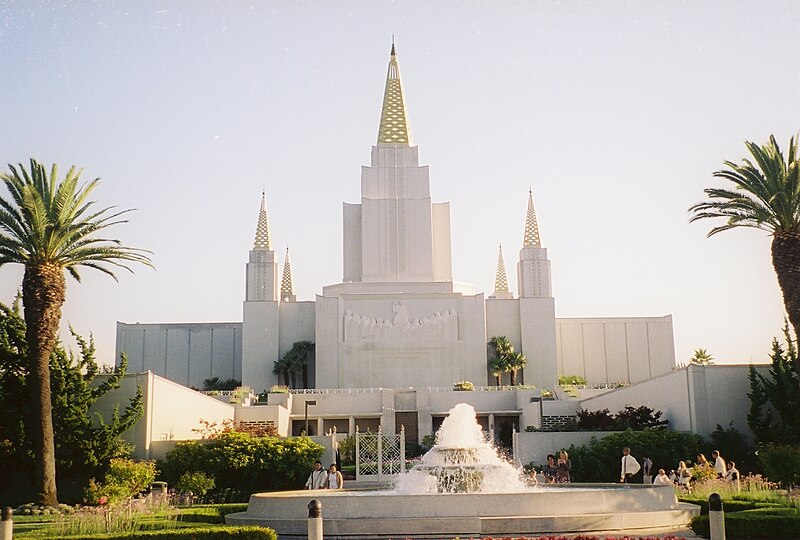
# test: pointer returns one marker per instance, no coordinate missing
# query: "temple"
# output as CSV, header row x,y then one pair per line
x,y
398,319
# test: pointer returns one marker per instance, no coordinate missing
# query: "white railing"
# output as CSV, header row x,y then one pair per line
x,y
309,391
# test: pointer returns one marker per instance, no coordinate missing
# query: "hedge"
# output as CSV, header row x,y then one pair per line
x,y
200,533
731,505
758,523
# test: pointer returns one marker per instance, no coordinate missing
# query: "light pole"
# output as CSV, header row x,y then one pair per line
x,y
313,402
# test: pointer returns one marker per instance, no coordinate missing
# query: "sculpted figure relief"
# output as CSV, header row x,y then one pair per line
x,y
439,326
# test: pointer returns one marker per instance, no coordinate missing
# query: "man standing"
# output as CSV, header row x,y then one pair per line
x,y
647,471
316,480
719,464
629,466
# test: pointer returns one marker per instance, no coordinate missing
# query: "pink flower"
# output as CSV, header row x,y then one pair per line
x,y
102,501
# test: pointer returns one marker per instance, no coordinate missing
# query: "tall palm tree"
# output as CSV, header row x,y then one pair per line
x,y
50,226
282,367
766,196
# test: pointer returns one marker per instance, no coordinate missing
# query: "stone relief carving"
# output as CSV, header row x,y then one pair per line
x,y
441,326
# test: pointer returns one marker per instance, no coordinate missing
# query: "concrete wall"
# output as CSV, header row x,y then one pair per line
x,y
171,412
694,398
187,353
608,350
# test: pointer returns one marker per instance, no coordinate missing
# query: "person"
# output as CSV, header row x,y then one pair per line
x,y
562,468
684,475
334,478
550,470
316,480
629,466
532,478
732,475
647,470
719,464
702,461
662,479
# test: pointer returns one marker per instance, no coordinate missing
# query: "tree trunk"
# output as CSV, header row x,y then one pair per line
x,y
286,377
43,290
497,378
513,377
305,375
786,261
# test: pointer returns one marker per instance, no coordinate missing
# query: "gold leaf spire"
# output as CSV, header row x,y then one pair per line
x,y
394,128
500,280
287,290
531,226
262,229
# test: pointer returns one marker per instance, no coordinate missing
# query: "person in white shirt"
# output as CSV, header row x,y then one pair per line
x,y
334,478
719,464
316,480
732,475
629,466
662,479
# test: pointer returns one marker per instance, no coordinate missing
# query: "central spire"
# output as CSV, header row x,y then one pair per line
x,y
394,128
531,238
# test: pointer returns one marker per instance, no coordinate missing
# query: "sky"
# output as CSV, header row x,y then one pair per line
x,y
614,113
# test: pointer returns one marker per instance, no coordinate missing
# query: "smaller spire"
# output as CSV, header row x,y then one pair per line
x,y
531,238
287,290
262,229
500,280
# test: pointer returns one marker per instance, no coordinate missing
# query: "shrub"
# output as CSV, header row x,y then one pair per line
x,y
735,448
599,461
196,482
125,478
463,386
781,464
240,461
571,379
192,533
758,523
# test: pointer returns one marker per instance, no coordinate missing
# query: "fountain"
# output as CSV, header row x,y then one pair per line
x,y
462,487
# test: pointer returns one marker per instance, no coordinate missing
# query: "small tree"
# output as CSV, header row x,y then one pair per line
x,y
195,482
774,415
781,464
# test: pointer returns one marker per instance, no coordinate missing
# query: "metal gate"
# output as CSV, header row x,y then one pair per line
x,y
380,456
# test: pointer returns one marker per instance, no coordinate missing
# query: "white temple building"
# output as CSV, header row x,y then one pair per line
x,y
398,307
398,319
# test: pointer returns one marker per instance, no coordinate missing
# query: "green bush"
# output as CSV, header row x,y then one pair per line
x,y
243,462
197,482
730,505
195,533
599,461
125,478
758,523
571,379
781,464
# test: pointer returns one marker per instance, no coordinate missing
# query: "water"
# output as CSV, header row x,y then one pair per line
x,y
461,461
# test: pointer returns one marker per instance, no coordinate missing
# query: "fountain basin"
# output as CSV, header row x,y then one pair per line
x,y
546,509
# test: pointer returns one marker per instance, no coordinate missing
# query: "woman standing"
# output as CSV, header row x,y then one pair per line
x,y
334,479
563,465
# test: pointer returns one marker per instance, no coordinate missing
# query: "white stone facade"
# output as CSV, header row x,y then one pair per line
x,y
398,319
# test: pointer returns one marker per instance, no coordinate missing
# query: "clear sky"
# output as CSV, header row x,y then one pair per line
x,y
614,113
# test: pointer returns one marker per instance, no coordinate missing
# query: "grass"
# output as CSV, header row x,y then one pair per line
x,y
92,520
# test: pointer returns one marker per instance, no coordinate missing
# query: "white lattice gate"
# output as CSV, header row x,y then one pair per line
x,y
380,456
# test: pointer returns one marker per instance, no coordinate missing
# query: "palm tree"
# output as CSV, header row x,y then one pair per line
x,y
766,196
50,226
501,350
516,361
497,366
701,358
302,352
281,367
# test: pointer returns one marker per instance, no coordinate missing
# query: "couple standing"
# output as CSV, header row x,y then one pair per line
x,y
320,479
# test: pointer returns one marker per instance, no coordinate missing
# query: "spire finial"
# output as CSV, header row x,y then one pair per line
x,y
500,279
287,289
393,128
262,229
531,238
